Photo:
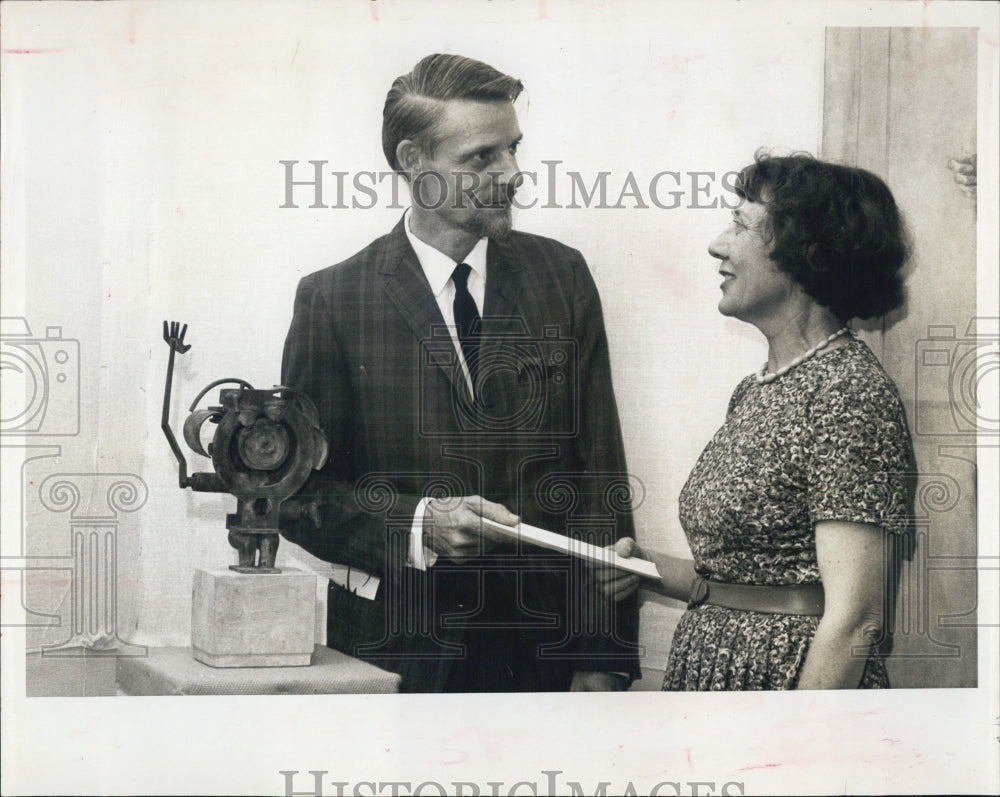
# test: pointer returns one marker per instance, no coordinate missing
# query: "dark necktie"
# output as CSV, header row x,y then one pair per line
x,y
466,319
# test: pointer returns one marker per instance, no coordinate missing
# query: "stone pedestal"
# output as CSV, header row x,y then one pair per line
x,y
74,672
253,620
172,671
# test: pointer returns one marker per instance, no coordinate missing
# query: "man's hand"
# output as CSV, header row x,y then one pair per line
x,y
453,527
591,681
614,583
965,173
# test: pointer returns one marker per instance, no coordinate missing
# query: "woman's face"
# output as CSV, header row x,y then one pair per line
x,y
754,289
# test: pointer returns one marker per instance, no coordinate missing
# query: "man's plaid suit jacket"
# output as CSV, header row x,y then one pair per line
x,y
368,344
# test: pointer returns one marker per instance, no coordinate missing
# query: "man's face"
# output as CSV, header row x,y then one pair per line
x,y
466,180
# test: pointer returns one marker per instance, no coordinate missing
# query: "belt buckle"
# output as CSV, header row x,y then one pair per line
x,y
699,592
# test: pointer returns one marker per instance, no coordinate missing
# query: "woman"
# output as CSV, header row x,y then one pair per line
x,y
788,508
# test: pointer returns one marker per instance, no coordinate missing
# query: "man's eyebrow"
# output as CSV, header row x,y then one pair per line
x,y
479,148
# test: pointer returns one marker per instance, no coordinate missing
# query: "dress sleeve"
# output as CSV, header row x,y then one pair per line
x,y
738,394
861,459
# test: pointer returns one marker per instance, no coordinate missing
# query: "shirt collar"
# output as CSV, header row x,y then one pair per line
x,y
437,266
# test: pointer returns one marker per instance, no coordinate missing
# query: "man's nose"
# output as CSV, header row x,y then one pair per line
x,y
508,173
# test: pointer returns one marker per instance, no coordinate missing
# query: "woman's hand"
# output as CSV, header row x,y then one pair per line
x,y
614,583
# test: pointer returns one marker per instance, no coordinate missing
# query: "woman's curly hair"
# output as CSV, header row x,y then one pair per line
x,y
835,230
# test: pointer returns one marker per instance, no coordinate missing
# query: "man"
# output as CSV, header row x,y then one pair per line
x,y
461,373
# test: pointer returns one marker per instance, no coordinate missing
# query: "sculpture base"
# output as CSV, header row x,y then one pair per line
x,y
172,671
253,620
252,569
86,674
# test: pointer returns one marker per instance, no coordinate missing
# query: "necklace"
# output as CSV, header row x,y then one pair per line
x,y
763,377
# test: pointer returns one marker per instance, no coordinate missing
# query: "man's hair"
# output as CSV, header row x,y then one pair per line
x,y
412,105
834,229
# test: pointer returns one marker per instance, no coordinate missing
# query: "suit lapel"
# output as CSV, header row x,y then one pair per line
x,y
404,282
407,287
503,287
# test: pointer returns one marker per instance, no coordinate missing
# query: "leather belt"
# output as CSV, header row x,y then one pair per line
x,y
793,599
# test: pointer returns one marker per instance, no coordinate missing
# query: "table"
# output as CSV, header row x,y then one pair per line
x,y
173,671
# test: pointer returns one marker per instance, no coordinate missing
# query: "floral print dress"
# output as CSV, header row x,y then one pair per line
x,y
826,441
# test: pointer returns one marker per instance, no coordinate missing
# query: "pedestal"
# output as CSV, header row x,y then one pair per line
x,y
172,671
253,619
85,673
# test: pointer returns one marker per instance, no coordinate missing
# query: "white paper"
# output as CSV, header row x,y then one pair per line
x,y
584,550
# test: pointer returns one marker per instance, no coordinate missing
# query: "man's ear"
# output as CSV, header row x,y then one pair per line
x,y
408,156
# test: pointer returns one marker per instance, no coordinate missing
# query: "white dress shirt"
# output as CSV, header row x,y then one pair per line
x,y
438,268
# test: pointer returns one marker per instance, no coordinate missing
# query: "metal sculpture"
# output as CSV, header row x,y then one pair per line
x,y
265,445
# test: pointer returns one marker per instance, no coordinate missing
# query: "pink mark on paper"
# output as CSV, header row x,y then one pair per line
x,y
33,50
373,9
674,280
682,64
985,38
457,756
459,744
761,766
